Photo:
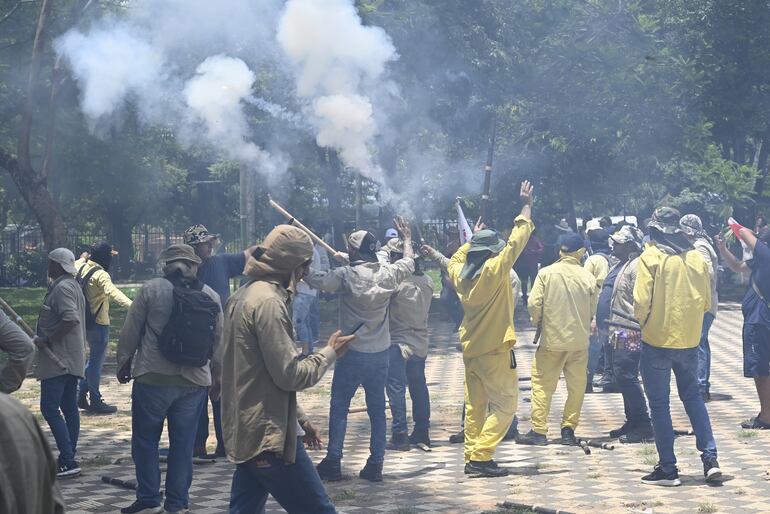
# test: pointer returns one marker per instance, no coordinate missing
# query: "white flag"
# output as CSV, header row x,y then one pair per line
x,y
462,224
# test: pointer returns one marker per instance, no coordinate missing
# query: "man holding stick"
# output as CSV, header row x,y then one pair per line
x,y
366,287
480,271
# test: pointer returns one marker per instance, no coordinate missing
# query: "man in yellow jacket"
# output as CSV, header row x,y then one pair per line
x,y
671,294
480,273
562,304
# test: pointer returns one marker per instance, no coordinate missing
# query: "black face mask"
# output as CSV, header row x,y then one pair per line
x,y
103,260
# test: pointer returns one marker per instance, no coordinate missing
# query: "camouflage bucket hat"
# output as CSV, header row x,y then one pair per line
x,y
666,219
628,234
692,225
198,234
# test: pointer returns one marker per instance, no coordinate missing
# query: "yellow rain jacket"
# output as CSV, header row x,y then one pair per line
x,y
599,267
671,294
564,299
488,299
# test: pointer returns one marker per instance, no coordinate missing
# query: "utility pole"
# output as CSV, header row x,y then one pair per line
x,y
488,172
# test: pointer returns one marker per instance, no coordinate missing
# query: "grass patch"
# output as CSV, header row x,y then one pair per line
x,y
646,449
747,434
343,495
707,507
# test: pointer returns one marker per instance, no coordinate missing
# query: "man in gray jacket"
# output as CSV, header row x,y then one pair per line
x,y
365,288
20,351
162,389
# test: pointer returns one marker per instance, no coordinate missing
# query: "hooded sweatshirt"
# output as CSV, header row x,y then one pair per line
x,y
261,371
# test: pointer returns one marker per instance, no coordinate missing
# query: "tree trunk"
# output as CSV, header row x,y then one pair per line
x,y
330,170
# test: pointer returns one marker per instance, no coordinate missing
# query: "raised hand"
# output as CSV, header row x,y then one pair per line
x,y
527,192
403,227
480,225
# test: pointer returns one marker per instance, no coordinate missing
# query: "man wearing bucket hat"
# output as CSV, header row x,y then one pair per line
x,y
62,327
562,304
163,390
693,227
671,295
481,273
615,314
365,287
265,429
409,310
215,270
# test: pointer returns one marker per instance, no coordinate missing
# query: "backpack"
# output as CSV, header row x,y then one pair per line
x,y
189,336
83,281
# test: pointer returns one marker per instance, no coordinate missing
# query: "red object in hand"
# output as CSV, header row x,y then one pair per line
x,y
736,228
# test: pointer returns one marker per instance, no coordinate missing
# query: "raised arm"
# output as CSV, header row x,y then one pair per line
x,y
522,228
104,282
731,260
329,280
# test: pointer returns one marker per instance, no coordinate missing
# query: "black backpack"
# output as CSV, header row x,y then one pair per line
x,y
83,281
189,336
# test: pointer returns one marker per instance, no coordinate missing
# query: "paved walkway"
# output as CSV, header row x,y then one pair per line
x,y
417,482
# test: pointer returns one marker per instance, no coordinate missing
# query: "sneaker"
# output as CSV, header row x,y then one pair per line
x,y
626,428
641,434
420,438
140,507
568,436
532,438
68,470
371,472
457,438
220,452
487,468
400,442
330,470
711,470
83,400
660,477
706,396
99,407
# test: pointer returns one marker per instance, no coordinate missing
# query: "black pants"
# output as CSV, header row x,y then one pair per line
x,y
626,369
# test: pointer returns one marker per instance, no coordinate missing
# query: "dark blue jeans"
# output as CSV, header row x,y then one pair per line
x,y
626,371
97,337
315,319
150,406
202,433
704,354
656,366
59,395
409,372
369,370
296,487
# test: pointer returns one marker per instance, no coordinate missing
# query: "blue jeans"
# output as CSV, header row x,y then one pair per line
x,y
150,406
202,434
595,353
409,372
301,318
315,319
656,366
296,487
369,370
704,354
97,337
626,371
59,395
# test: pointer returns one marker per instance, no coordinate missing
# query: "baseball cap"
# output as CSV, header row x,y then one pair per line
x,y
363,241
572,243
391,233
65,258
198,234
593,225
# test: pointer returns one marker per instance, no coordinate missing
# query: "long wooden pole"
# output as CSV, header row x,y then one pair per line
x,y
294,221
31,333
488,172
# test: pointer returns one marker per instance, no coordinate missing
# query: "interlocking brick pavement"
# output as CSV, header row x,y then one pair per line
x,y
419,482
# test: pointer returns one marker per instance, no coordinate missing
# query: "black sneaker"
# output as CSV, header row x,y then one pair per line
x,y
68,470
706,396
420,438
99,407
533,438
487,468
626,428
660,477
711,470
220,452
371,472
140,507
640,434
512,434
568,436
329,470
457,438
83,400
400,442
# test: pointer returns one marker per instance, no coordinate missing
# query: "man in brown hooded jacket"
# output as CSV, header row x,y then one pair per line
x,y
261,374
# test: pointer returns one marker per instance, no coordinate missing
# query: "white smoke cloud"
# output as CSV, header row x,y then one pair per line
x,y
339,63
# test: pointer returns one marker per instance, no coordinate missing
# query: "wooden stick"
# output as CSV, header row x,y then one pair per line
x,y
28,330
294,221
